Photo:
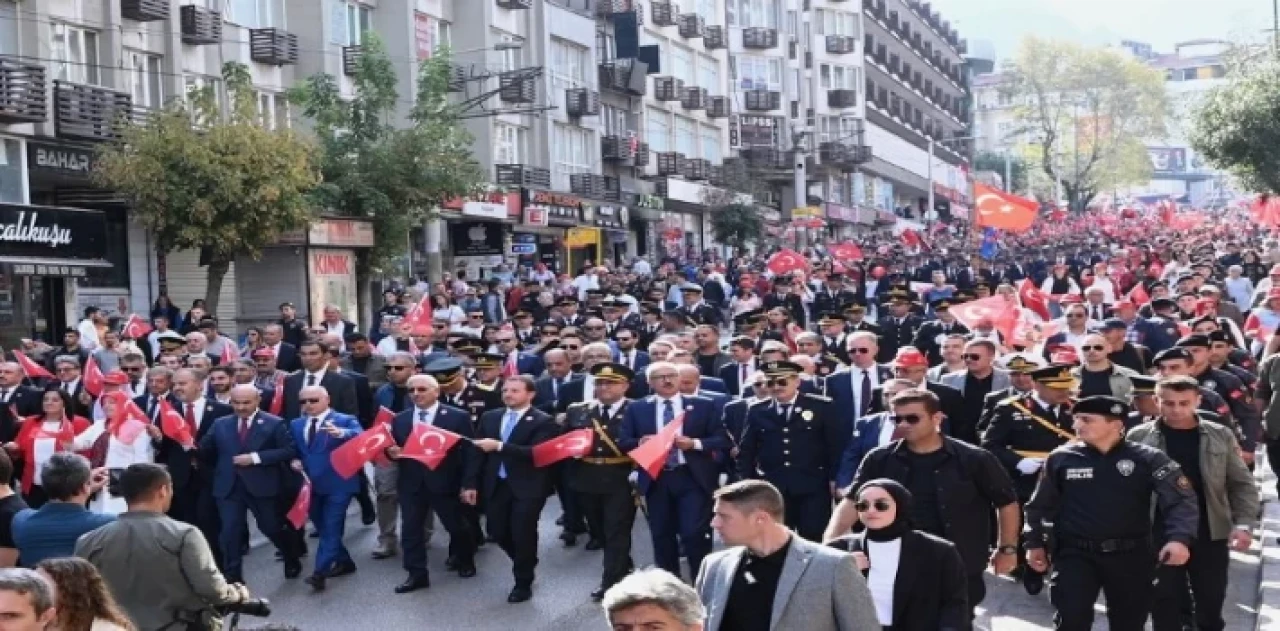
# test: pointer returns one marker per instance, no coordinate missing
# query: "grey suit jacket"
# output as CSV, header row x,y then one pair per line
x,y
815,580
956,379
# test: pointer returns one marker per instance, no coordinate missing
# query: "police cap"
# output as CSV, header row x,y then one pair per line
x,y
1055,376
1110,407
610,372
1143,385
1169,354
781,368
445,369
488,360
1195,340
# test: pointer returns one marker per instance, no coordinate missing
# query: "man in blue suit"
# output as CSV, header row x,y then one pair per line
x,y
869,432
627,354
679,499
442,490
851,401
509,348
691,385
317,433
246,452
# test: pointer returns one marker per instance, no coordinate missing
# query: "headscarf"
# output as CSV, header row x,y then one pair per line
x,y
902,518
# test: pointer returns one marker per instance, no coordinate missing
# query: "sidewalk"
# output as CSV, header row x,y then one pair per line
x,y
1268,596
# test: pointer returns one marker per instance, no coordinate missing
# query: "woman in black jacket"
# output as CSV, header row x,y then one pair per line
x,y
916,579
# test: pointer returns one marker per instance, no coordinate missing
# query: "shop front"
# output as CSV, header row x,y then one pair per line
x,y
645,224
611,223
840,221
494,213
547,219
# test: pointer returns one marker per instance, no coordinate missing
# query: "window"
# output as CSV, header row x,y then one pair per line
x,y
510,59
568,68
711,144
686,137
617,121
824,76
444,33
657,131
273,110
509,142
605,49
75,51
753,13
13,180
144,79
757,73
571,154
709,75
836,23
350,22
251,13
682,64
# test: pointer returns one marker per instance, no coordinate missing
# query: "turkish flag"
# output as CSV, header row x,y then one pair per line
x,y
970,313
910,238
92,377
786,261
653,453
1138,295
1253,328
420,314
276,408
429,444
348,459
229,353
998,209
846,252
129,421
174,426
301,507
30,368
136,327
384,416
509,368
569,445
1033,298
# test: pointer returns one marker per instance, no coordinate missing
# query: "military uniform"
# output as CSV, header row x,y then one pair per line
x,y
827,363
1022,427
989,404
896,333
1237,399
929,336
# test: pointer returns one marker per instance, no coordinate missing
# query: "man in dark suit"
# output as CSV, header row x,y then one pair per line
x,y
515,361
515,490
286,354
335,325
851,389
246,452
930,334
627,354
442,490
15,397
558,374
897,328
783,297
316,372
67,370
679,499
193,501
734,375
869,432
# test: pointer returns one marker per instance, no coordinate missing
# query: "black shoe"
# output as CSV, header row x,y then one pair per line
x,y
341,569
597,594
570,540
292,568
466,571
520,594
451,564
316,581
594,544
413,584
1032,581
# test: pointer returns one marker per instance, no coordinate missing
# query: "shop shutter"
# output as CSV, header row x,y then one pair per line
x,y
279,276
187,282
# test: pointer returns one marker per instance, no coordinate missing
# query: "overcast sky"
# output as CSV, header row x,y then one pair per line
x,y
1158,22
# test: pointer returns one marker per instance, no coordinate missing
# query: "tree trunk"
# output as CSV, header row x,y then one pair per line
x,y
216,272
364,317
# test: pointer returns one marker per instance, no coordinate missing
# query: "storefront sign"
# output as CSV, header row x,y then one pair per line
x,y
612,217
29,269
650,202
58,159
552,198
523,244
349,233
581,237
475,238
332,280
535,215
485,209
841,213
805,212
46,232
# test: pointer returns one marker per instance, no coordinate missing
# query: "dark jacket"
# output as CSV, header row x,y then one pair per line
x,y
931,590
526,481
341,389
459,470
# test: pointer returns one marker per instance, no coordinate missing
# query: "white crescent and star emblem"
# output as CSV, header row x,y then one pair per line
x,y
428,449
1003,208
373,444
577,443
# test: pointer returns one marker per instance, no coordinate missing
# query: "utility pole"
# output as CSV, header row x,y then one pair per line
x,y
929,184
801,183
1008,171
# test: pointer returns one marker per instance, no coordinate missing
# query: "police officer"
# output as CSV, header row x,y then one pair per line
x,y
856,316
930,334
600,478
833,297
458,392
792,441
1221,351
898,327
1229,387
1097,496
1024,429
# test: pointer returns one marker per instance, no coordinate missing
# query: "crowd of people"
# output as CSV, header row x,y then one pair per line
x,y
864,443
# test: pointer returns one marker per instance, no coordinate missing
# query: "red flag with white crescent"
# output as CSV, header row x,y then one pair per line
x,y
651,455
174,426
846,252
136,327
569,445
786,261
92,377
276,408
301,506
348,459
30,368
420,314
429,444
1033,298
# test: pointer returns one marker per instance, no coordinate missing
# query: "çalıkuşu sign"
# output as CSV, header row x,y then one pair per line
x,y
46,232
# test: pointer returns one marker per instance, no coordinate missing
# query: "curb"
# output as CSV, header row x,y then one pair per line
x,y
1268,603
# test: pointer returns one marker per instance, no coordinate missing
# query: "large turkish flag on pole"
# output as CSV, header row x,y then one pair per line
x,y
786,261
998,209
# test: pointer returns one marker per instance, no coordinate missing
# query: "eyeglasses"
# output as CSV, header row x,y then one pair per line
x,y
420,389
665,377
909,419
135,369
860,351
305,401
972,357
864,506
570,348
1093,347
475,317
398,367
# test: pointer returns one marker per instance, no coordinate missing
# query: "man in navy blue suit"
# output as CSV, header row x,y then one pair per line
x,y
679,500
743,351
869,432
851,389
627,354
515,361
246,452
317,433
442,490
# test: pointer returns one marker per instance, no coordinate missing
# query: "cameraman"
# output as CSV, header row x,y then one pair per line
x,y
159,569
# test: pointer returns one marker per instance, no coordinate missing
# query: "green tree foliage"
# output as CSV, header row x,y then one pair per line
x,y
200,176
737,225
1091,109
375,169
1237,126
994,162
734,221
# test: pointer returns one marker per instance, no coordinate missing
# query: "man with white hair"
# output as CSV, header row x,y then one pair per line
x,y
653,599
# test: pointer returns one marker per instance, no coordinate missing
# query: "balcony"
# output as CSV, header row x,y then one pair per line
x,y
350,60
697,169
670,163
714,38
844,157
719,107
516,88
581,102
694,98
841,44
522,175
587,185
664,14
667,88
692,26
200,25
761,100
759,38
842,98
642,154
618,148
23,98
515,5
609,9
144,10
624,75
765,158
273,46
457,79
612,189
85,112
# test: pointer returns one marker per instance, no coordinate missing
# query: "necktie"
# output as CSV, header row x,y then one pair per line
x,y
4,395
311,380
244,430
422,417
190,417
66,387
508,424
668,415
555,388
742,378
311,430
865,400
784,411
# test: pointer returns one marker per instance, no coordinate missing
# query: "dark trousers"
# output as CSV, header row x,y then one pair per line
x,y
232,509
1124,577
977,590
808,514
569,500
194,504
513,521
610,517
1205,575
679,507
415,507
1273,456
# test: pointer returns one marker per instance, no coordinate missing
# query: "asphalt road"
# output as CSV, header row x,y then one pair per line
x,y
561,594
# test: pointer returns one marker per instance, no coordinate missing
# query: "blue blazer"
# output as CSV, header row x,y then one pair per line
x,y
840,389
544,394
529,364
701,422
866,436
731,375
268,437
315,457
383,396
642,359
714,384
719,399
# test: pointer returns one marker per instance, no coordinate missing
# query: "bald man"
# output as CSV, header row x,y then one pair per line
x,y
14,396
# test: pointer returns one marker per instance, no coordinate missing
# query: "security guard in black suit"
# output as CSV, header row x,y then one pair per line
x,y
476,400
1177,361
1024,429
1096,496
651,325
600,479
792,441
929,336
898,327
695,309
1020,367
478,396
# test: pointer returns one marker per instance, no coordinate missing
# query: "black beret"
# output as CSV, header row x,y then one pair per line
x,y
1110,407
1170,354
1195,340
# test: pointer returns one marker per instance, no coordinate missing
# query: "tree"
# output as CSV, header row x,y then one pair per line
x,y
1237,126
737,225
395,176
734,221
200,176
1092,110
995,162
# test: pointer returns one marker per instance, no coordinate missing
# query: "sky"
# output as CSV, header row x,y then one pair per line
x,y
1161,23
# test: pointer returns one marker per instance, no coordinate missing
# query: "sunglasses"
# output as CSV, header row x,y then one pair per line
x,y
135,369
972,357
665,377
860,351
593,328
506,340
909,419
1075,316
864,506
570,348
781,381
1093,347
305,401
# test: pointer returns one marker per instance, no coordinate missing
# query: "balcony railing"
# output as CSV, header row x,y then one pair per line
x,y
144,10
841,44
719,107
522,175
697,169
715,38
350,60
670,163
615,148
624,75
200,25
515,4
694,98
587,184
86,112
759,38
516,88
667,88
23,96
642,154
273,46
761,100
663,13
692,25
842,98
581,102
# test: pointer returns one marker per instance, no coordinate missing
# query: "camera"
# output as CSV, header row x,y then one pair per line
x,y
256,607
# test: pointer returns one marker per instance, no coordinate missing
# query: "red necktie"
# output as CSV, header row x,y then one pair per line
x,y
244,430
191,418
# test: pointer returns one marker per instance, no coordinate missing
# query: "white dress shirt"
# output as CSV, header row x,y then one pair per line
x,y
855,378
430,418
677,405
319,375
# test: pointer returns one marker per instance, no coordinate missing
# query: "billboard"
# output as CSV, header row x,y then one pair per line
x,y
1168,159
